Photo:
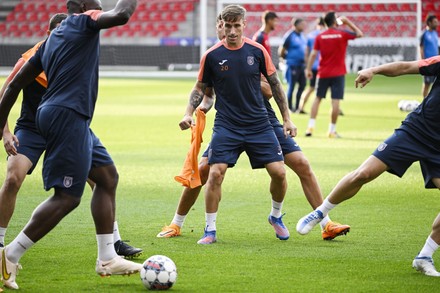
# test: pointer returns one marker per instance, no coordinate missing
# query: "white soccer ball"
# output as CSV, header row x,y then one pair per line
x,y
408,105
158,273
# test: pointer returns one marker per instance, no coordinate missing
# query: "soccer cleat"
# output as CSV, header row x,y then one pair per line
x,y
306,223
169,231
117,266
425,265
9,271
309,131
333,230
125,250
333,135
280,230
208,238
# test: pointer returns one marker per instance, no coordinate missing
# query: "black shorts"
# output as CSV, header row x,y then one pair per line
x,y
336,85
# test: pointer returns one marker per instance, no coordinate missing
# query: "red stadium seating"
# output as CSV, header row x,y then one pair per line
x,y
163,18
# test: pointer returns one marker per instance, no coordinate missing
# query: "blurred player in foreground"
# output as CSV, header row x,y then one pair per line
x,y
293,157
26,145
417,139
69,58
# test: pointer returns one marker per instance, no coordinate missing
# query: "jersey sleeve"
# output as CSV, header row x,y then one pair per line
x,y
204,75
430,66
316,45
268,68
36,59
422,39
93,16
349,35
286,43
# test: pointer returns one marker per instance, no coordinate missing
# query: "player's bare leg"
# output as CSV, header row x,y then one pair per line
x,y
17,168
103,206
278,188
346,188
213,194
334,118
313,115
186,202
423,261
300,165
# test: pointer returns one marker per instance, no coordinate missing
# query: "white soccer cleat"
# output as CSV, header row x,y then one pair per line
x,y
9,271
425,265
306,223
117,266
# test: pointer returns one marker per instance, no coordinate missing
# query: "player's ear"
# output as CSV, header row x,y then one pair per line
x,y
244,22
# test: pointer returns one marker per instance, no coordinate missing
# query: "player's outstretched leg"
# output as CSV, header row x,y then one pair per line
x,y
186,202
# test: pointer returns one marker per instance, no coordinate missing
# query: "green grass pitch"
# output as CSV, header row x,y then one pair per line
x,y
137,120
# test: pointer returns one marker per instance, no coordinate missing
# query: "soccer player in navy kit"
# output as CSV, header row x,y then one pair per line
x,y
232,68
293,158
26,145
70,59
417,139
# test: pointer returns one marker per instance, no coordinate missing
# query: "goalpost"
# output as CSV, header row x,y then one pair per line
x,y
391,27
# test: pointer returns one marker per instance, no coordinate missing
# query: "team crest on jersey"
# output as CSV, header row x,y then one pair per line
x,y
382,146
250,60
68,181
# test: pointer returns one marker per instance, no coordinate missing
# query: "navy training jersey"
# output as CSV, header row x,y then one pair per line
x,y
32,94
235,75
424,122
70,59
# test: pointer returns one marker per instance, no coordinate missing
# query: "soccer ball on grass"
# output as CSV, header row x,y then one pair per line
x,y
407,105
158,273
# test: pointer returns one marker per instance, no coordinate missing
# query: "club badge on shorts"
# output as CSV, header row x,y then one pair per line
x,y
382,146
68,181
250,60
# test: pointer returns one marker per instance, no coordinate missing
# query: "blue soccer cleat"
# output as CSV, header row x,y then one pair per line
x,y
280,230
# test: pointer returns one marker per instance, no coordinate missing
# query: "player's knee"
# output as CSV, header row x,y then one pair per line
x,y
13,182
216,177
278,174
204,171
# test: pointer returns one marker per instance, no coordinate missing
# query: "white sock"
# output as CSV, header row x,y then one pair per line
x,y
311,123
332,127
276,209
178,220
324,222
429,248
2,235
106,248
116,236
18,247
326,207
211,218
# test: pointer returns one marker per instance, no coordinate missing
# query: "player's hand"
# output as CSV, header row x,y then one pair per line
x,y
343,19
10,142
289,129
309,73
186,122
364,77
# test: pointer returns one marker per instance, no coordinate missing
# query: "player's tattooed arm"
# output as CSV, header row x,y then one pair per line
x,y
195,99
281,100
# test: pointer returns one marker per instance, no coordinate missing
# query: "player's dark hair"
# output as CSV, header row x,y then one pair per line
x,y
430,18
219,18
56,19
72,6
297,21
233,13
330,18
268,15
320,21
